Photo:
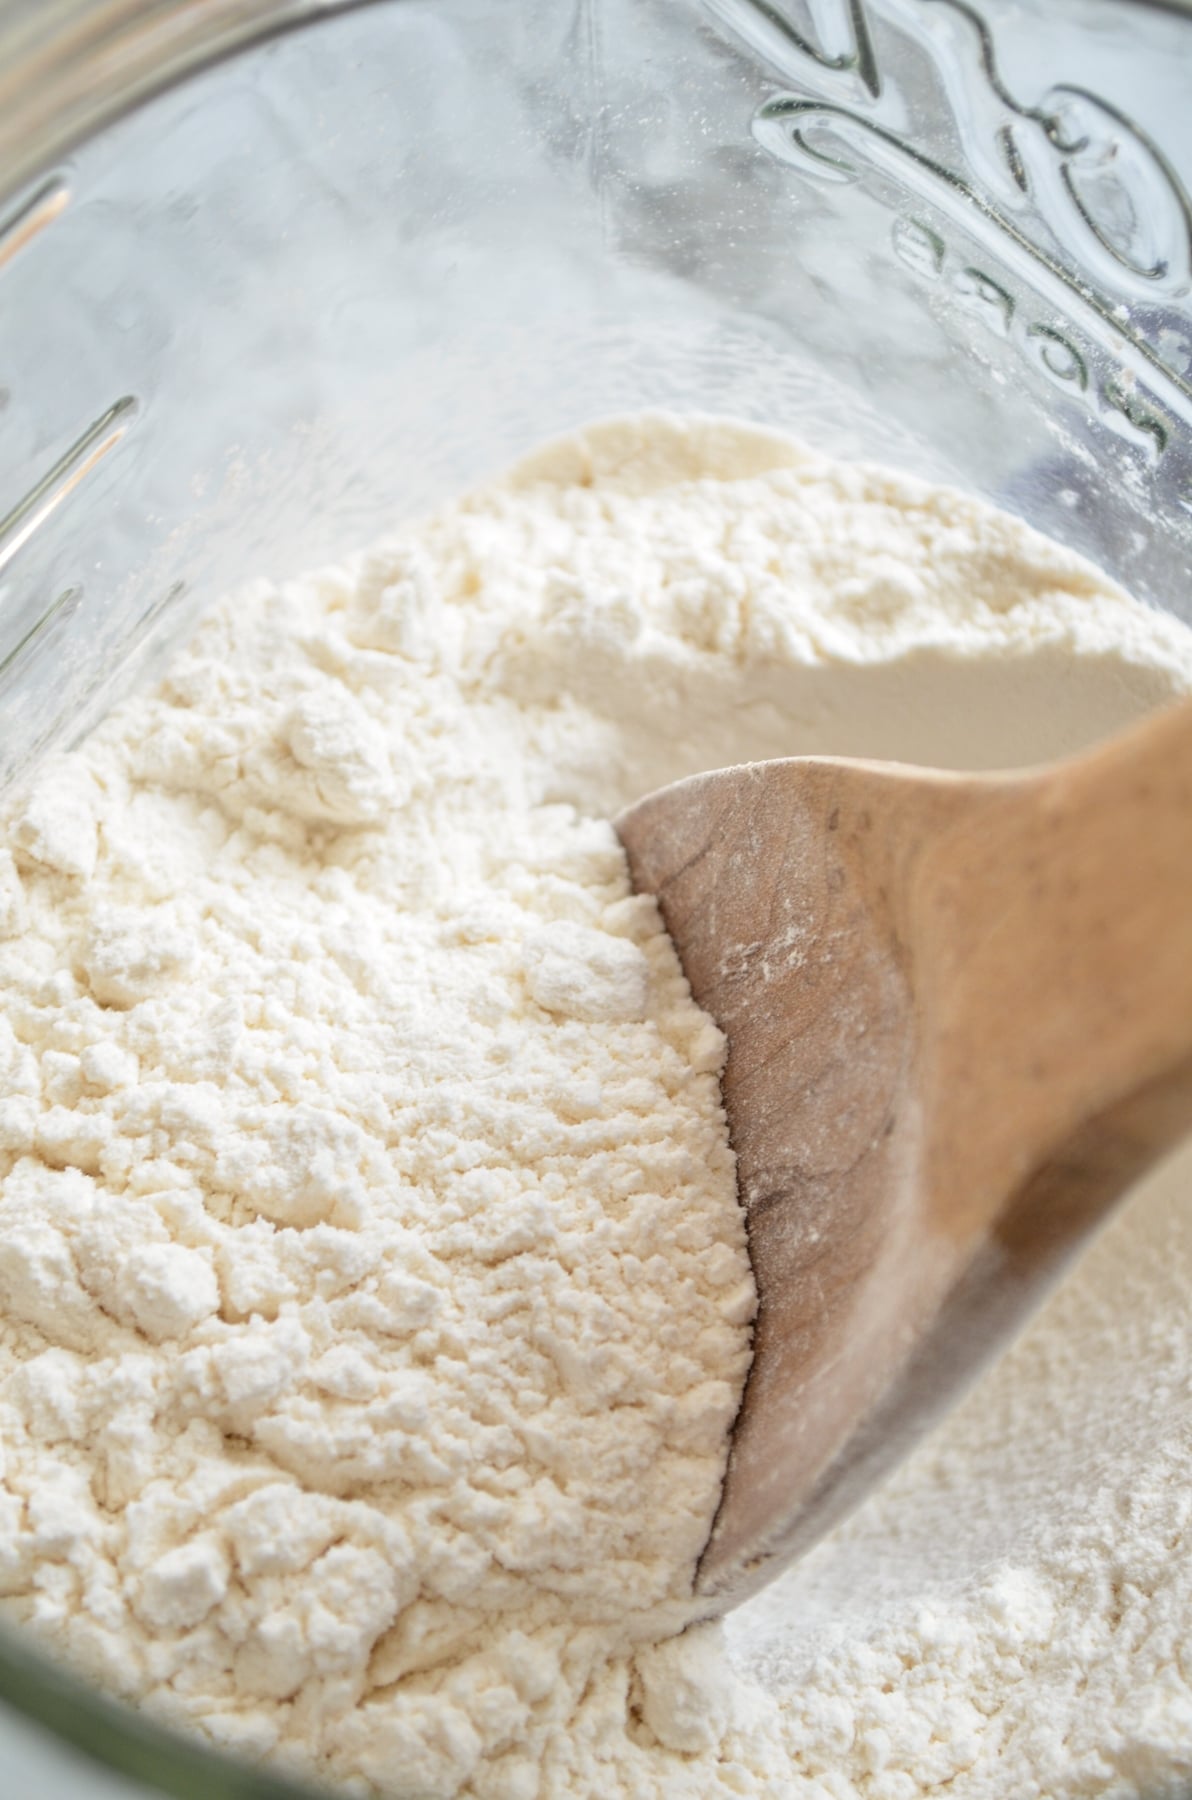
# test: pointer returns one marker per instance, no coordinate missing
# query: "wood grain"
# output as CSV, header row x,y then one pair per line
x,y
959,1016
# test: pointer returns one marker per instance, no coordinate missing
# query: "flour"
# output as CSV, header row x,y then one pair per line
x,y
374,1300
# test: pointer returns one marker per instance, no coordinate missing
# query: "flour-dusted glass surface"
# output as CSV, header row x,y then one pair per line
x,y
381,254
339,276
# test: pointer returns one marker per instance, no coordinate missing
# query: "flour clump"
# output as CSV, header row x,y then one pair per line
x,y
374,1296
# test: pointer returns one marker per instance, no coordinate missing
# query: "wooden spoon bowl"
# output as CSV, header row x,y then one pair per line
x,y
959,1019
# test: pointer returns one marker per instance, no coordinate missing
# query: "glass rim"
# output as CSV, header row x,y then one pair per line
x,y
122,1740
69,68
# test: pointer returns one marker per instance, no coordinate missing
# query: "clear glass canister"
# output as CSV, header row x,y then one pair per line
x,y
276,272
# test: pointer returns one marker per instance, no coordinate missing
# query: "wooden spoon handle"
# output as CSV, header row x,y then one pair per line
x,y
1052,935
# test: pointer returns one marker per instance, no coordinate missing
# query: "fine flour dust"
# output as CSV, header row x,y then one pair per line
x,y
374,1298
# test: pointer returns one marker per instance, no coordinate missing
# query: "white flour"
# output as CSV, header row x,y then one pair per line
x,y
373,1295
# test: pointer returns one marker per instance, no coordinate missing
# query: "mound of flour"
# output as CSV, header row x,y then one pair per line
x,y
374,1300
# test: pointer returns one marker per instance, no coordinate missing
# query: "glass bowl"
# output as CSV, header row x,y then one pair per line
x,y
277,272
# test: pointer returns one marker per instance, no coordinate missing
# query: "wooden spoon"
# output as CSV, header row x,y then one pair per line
x,y
959,1019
